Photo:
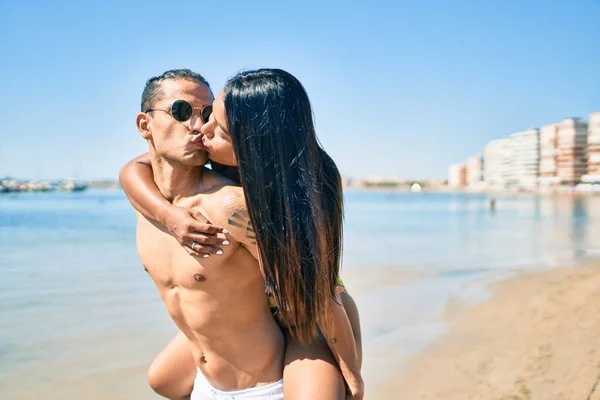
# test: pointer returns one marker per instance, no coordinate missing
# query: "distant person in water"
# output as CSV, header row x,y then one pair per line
x,y
492,204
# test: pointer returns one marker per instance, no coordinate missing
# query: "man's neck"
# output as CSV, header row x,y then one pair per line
x,y
175,180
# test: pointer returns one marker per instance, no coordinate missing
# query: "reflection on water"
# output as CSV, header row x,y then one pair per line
x,y
572,222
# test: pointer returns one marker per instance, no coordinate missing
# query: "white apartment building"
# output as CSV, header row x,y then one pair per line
x,y
525,161
548,155
593,150
457,175
497,161
572,151
474,167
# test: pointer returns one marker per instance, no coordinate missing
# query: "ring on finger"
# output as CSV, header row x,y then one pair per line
x,y
194,244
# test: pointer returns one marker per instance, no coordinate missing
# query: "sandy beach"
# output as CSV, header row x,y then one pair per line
x,y
537,337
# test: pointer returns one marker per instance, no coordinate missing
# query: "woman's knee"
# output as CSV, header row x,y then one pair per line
x,y
157,378
172,371
165,384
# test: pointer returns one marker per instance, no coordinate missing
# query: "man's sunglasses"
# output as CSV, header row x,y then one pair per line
x,y
182,111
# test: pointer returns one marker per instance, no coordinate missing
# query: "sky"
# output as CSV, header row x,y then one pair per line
x,y
399,88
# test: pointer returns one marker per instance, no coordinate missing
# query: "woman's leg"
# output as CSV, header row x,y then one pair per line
x,y
173,370
352,312
310,372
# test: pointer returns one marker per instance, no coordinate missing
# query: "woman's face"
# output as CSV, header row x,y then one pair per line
x,y
216,138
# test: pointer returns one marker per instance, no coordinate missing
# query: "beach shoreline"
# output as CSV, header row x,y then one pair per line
x,y
537,337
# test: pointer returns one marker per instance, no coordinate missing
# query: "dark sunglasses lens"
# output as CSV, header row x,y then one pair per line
x,y
206,111
182,110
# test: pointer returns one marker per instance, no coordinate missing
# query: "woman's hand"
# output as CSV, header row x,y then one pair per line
x,y
194,232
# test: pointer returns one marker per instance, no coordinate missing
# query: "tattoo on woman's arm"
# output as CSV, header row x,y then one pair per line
x,y
240,219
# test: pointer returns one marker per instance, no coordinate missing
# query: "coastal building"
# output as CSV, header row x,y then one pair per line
x,y
457,175
572,151
548,156
593,150
474,166
497,161
525,160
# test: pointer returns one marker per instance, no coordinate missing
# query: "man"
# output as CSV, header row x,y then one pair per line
x,y
218,302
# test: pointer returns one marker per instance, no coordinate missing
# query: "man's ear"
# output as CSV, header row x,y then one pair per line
x,y
143,122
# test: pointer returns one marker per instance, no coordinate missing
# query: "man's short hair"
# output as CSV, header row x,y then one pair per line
x,y
152,92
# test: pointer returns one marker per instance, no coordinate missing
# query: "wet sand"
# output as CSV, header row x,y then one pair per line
x,y
537,338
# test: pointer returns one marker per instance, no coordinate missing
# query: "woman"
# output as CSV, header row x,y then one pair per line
x,y
262,123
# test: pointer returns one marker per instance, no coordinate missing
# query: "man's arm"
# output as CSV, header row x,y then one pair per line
x,y
186,225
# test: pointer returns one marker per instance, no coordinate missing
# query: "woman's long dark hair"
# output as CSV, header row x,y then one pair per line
x,y
293,192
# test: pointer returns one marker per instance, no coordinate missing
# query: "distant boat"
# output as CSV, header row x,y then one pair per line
x,y
415,188
72,186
